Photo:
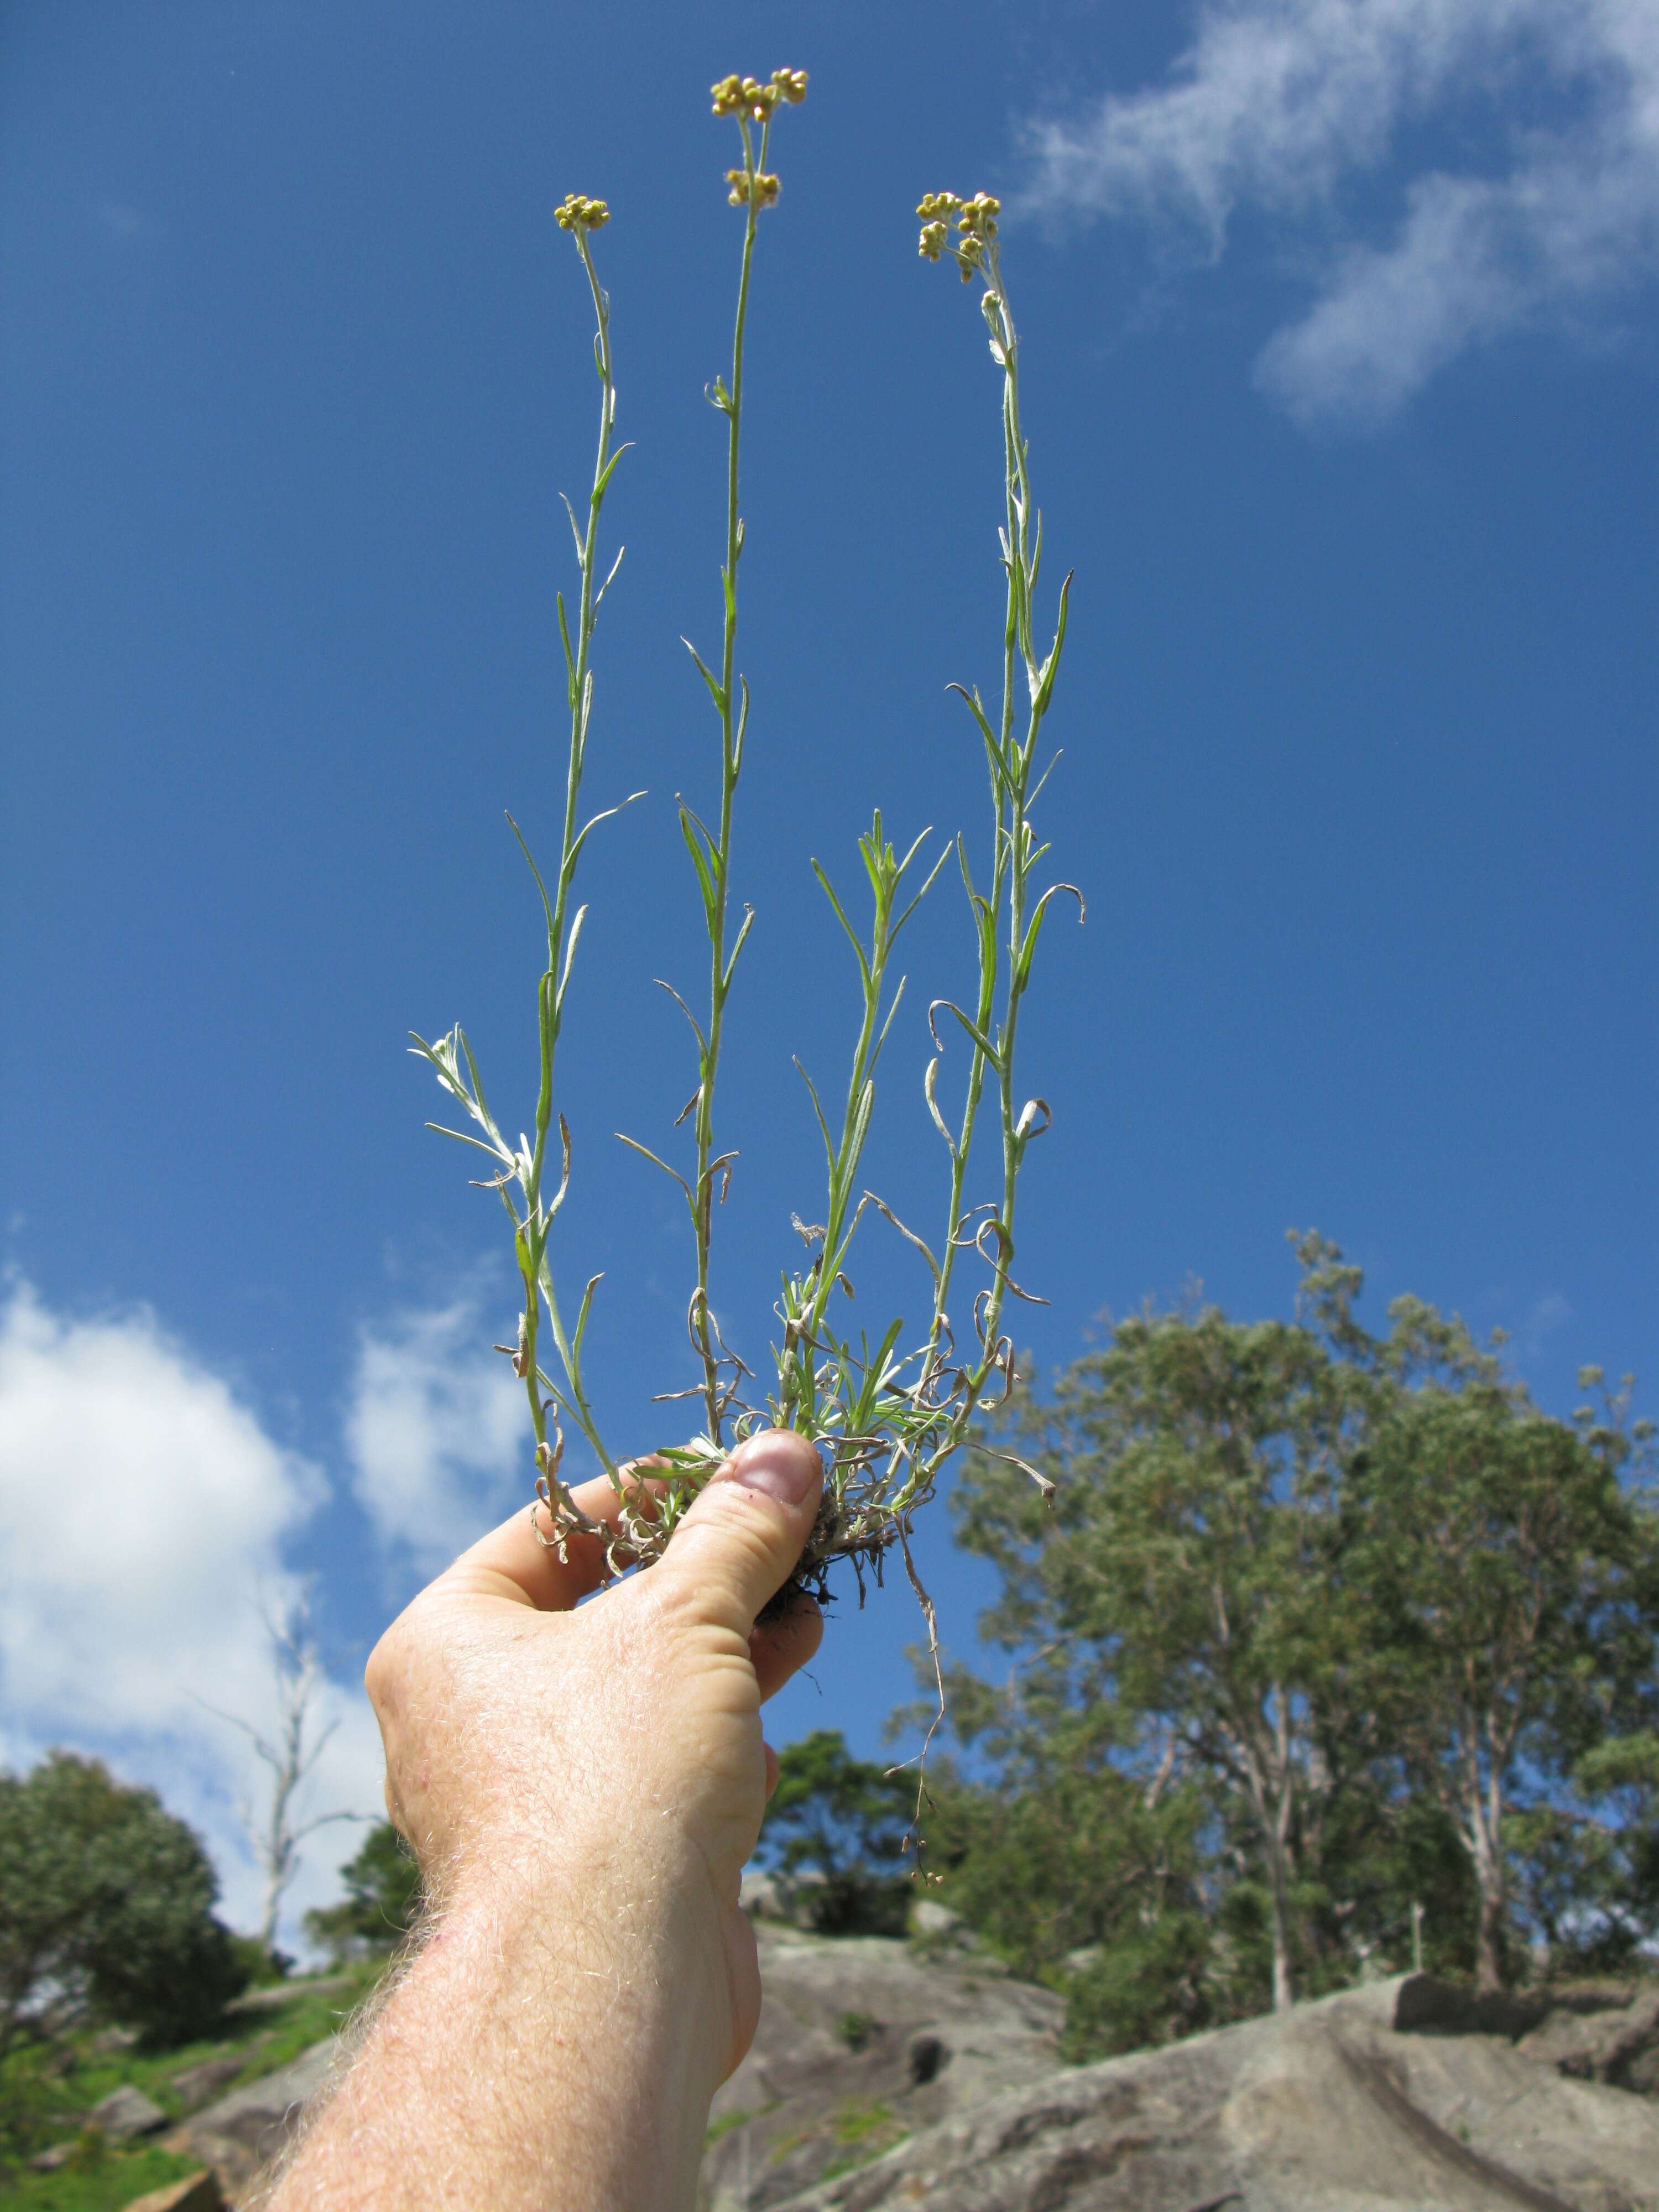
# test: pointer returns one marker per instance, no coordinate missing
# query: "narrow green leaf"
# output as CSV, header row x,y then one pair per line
x,y
979,1039
547,903
645,1153
569,657
601,480
852,935
933,874
823,1127
744,928
605,814
1044,685
716,691
928,1083
581,1316
700,862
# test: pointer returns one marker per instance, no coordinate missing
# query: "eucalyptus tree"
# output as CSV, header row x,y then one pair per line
x,y
1510,1569
1193,1549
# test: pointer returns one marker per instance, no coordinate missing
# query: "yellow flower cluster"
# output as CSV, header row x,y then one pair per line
x,y
765,188
746,96
578,212
975,221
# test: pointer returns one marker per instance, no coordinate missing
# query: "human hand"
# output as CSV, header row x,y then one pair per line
x,y
581,1784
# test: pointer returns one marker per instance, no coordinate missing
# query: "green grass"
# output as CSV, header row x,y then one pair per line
x,y
108,2176
866,2131
864,2127
106,2180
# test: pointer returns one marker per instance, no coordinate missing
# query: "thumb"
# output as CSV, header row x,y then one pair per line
x,y
739,1542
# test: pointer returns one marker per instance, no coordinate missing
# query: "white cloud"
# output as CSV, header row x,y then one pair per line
x,y
143,1513
127,226
1551,1310
437,1430
1283,105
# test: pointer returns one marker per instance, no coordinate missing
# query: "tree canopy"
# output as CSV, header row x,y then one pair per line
x,y
842,1823
1382,1629
382,1901
106,1909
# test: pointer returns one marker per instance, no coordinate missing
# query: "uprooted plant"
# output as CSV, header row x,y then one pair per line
x,y
887,1414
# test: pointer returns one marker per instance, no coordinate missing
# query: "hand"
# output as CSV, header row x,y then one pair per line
x,y
581,1784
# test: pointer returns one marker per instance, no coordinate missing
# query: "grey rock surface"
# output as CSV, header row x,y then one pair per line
x,y
251,2126
929,1918
194,2085
276,1994
1615,2043
126,2113
1337,2107
196,2192
861,2040
887,2075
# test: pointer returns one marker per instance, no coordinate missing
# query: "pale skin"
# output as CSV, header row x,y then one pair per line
x,y
581,1784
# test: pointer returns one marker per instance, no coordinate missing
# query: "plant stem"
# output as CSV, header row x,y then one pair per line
x,y
733,726
531,1233
1013,852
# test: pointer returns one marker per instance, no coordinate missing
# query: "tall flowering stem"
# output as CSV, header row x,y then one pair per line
x,y
887,1417
752,105
522,1170
1005,908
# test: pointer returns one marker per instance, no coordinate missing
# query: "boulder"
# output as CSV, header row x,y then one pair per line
x,y
274,1995
247,2130
863,2040
194,2085
1362,2102
196,2192
761,1895
126,2113
1617,2042
935,1922
49,2160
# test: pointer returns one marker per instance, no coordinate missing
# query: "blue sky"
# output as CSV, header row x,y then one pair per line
x,y
1340,341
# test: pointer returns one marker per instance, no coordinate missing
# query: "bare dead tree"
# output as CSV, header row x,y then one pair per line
x,y
291,1752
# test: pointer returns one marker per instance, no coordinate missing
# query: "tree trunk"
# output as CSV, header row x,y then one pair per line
x,y
1489,1939
1274,1822
1284,1994
1485,1827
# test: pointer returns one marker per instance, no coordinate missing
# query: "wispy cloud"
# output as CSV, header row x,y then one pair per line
x,y
435,1430
1284,107
143,1511
1548,1312
127,226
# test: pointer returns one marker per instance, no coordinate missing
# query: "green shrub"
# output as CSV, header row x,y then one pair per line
x,y
106,1910
843,1821
382,1900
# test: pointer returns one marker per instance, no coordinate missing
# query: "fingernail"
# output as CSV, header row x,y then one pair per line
x,y
778,1462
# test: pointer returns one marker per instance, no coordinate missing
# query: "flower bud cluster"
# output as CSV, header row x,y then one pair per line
x,y
976,225
578,212
746,96
763,188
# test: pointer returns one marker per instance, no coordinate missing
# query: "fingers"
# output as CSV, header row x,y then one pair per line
x,y
782,1647
738,1544
509,1562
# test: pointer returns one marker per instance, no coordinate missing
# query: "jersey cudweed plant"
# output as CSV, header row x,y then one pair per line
x,y
886,1413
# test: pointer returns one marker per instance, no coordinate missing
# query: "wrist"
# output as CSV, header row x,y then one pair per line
x,y
607,1944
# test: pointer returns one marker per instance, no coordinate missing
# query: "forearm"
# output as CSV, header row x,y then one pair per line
x,y
539,2051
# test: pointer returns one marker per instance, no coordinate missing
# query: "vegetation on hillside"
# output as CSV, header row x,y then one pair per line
x,y
1332,1652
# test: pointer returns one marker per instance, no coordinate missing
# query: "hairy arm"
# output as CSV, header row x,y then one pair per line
x,y
581,1787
